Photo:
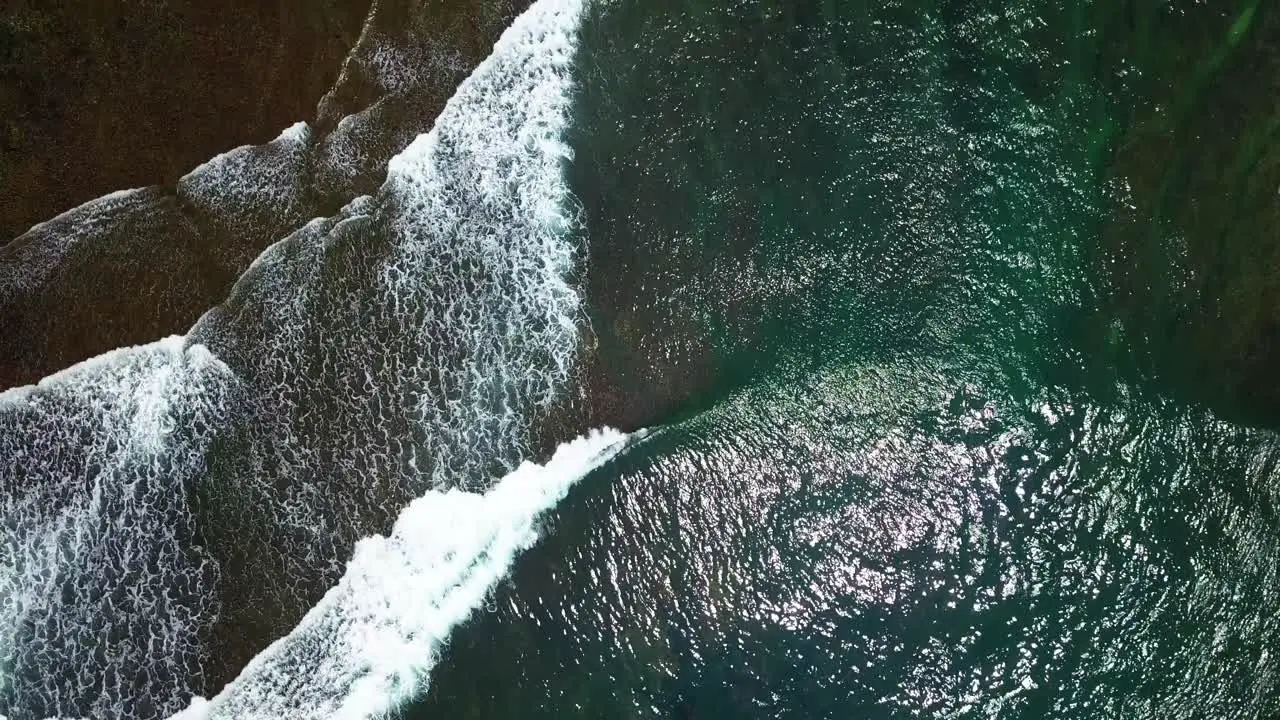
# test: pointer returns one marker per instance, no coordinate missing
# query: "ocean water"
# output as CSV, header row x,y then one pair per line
x,y
920,463
173,508
930,329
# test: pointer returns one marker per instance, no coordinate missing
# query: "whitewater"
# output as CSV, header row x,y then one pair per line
x,y
371,642
159,500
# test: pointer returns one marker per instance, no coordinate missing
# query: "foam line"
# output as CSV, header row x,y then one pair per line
x,y
407,345
370,644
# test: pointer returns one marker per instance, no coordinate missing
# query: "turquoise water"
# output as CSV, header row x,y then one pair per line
x,y
935,434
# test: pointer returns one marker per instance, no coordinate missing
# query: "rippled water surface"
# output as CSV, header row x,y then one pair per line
x,y
938,336
926,456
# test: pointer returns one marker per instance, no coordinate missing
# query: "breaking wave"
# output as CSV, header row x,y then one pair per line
x,y
169,508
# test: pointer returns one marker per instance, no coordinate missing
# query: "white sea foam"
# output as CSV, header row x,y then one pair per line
x,y
407,345
370,644
97,465
229,161
28,260
253,186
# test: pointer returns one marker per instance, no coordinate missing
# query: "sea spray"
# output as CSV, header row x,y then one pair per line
x,y
412,343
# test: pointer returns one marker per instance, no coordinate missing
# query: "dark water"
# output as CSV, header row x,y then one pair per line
x,y
952,324
936,307
132,268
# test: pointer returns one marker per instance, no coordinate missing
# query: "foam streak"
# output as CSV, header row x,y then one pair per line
x,y
373,639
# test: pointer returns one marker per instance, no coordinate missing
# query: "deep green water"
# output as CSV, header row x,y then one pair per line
x,y
952,322
949,426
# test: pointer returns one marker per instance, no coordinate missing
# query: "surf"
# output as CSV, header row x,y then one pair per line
x,y
370,644
166,504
